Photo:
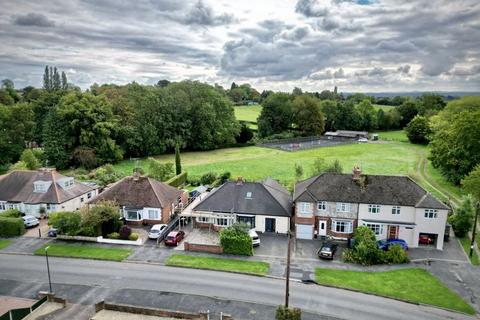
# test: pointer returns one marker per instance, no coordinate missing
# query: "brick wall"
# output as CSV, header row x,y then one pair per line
x,y
203,247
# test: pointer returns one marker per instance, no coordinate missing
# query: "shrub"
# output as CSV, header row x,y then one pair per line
x,y
133,236
66,222
418,130
225,176
396,255
208,178
365,250
245,134
194,181
235,240
11,213
284,313
103,218
28,157
125,232
10,227
113,235
85,157
178,180
461,220
160,171
105,175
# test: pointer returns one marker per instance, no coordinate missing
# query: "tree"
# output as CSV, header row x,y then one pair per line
x,y
101,219
368,115
471,183
418,130
64,81
236,240
365,250
84,157
307,115
55,140
429,104
178,162
454,142
163,83
276,114
46,79
461,220
298,171
245,135
334,167
56,79
31,162
407,110
160,171
297,91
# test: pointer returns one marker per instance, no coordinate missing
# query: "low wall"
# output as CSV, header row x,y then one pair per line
x,y
211,248
77,238
137,242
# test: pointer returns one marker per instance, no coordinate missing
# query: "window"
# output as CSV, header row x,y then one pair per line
x,y
373,208
341,226
249,195
224,222
14,206
322,205
134,215
81,199
153,215
40,186
431,213
249,221
89,195
2,206
376,228
395,210
203,219
343,207
305,207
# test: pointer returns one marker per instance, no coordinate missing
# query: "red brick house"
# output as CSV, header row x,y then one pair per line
x,y
144,200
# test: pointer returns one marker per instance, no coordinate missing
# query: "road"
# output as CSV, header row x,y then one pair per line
x,y
29,271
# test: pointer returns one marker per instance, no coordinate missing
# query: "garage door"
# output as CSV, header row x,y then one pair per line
x,y
304,231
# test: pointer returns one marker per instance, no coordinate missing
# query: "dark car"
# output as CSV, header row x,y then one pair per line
x,y
174,238
52,232
327,250
385,244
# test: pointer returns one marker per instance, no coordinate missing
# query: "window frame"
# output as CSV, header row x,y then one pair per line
x,y
226,220
373,227
374,208
156,216
396,210
203,219
303,206
344,223
139,215
343,207
430,213
322,205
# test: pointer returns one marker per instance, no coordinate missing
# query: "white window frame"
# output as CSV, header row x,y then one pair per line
x,y
344,207
153,214
39,187
377,228
431,213
305,208
139,215
348,226
219,222
374,208
396,210
3,206
203,219
13,206
322,205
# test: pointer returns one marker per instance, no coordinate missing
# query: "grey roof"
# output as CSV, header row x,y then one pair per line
x,y
17,186
267,198
141,192
376,189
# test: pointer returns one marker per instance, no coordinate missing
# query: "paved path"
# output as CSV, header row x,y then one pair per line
x,y
74,278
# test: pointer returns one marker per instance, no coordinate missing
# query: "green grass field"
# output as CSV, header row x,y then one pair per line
x,y
235,265
4,243
248,113
398,135
414,285
383,107
85,251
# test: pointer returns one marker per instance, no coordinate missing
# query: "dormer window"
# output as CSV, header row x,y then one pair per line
x,y
66,183
41,186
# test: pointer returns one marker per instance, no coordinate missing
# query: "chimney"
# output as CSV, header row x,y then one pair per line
x,y
240,181
356,173
136,175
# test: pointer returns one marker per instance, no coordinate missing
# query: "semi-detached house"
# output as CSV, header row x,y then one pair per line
x,y
334,205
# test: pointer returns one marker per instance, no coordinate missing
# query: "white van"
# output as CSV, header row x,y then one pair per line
x,y
255,239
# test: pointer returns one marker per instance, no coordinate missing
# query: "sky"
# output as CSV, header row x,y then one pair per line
x,y
357,45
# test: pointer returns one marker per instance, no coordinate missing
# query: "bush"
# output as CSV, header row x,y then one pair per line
x,y
66,222
103,218
160,171
284,313
113,235
178,180
462,219
105,175
10,227
225,176
208,178
11,213
396,255
133,236
125,232
28,157
85,157
245,135
194,181
235,240
365,250
418,130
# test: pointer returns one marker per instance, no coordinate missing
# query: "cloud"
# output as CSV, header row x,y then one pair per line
x,y
311,8
33,19
404,69
201,14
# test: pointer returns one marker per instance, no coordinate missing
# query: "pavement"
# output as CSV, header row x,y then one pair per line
x,y
84,282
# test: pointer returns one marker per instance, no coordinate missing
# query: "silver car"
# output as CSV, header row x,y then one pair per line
x,y
30,221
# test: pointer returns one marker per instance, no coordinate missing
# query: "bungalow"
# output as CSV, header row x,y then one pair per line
x,y
265,206
144,200
29,191
333,204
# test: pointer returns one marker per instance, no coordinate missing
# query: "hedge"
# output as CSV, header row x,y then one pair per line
x,y
177,180
10,227
11,213
235,240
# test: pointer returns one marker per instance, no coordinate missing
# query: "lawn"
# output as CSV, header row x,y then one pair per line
x,y
383,107
85,251
414,285
466,247
4,243
222,264
248,113
398,135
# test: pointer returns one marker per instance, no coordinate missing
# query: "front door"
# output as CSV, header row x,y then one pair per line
x,y
392,232
322,228
269,225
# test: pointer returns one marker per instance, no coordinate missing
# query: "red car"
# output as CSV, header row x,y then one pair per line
x,y
424,239
174,238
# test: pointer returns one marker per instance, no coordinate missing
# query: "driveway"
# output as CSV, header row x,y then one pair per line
x,y
33,232
452,252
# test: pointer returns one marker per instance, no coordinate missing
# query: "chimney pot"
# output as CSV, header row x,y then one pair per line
x,y
240,181
356,173
136,175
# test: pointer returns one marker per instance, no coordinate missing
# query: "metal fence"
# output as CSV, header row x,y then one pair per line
x,y
302,143
18,314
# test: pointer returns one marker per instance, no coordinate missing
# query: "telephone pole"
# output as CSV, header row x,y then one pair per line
x,y
474,231
287,278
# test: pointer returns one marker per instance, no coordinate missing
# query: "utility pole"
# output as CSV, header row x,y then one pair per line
x,y
474,231
48,270
287,278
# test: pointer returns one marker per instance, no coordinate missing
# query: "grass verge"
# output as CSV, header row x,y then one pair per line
x,y
4,243
85,252
222,264
465,241
413,285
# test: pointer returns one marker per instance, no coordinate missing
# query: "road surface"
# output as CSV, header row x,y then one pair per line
x,y
24,271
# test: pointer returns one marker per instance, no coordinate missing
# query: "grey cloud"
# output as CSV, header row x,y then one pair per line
x,y
339,74
328,74
201,14
34,20
296,34
397,46
404,69
311,8
474,70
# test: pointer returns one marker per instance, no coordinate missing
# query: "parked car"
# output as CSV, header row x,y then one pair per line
x,y
52,232
384,244
327,250
362,140
425,239
156,231
174,238
255,239
30,221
